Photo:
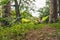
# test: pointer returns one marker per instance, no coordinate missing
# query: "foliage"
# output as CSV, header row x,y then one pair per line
x,y
45,10
19,30
25,4
3,2
26,14
1,19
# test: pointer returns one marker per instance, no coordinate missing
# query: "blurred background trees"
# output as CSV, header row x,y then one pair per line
x,y
20,6
21,9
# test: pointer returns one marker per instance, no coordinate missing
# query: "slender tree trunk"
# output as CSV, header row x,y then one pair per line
x,y
53,11
59,6
18,15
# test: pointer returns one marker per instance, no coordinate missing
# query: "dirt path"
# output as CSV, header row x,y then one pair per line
x,y
45,33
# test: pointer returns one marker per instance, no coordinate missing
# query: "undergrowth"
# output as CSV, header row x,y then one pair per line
x,y
18,31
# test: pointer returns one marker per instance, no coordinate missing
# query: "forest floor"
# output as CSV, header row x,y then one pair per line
x,y
44,33
31,31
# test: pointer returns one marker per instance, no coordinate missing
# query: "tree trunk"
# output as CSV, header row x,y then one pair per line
x,y
6,13
53,11
59,6
18,15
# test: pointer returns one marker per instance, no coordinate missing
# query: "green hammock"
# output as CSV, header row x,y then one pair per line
x,y
45,18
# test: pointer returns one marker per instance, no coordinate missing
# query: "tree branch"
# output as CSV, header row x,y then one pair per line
x,y
19,2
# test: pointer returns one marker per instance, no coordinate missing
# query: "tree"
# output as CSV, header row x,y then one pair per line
x,y
18,15
6,13
6,7
21,5
53,11
59,6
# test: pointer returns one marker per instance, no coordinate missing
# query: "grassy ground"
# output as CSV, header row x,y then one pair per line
x,y
19,31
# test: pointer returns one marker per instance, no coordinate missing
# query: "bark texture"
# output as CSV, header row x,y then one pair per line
x,y
59,6
18,15
53,11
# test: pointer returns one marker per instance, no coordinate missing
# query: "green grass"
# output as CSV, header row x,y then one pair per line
x,y
19,30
